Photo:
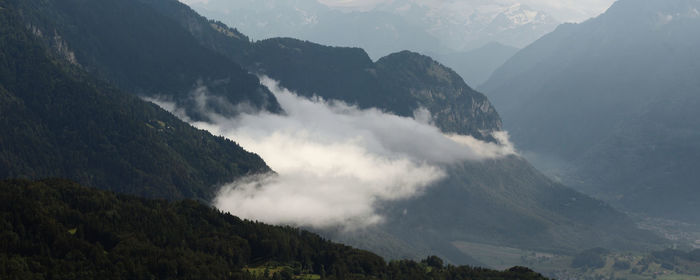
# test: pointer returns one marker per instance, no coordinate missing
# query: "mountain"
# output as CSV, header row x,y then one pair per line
x,y
348,74
57,121
447,30
538,213
140,51
210,43
612,99
508,203
541,214
57,229
400,83
477,65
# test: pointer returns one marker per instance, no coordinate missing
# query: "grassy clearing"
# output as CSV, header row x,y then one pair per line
x,y
678,277
506,257
268,271
640,268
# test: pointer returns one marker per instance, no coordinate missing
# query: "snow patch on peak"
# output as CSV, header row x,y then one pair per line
x,y
521,15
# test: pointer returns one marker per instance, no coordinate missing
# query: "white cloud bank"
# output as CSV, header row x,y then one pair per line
x,y
335,163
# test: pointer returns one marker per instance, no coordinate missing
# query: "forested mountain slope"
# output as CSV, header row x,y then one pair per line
x,y
132,46
399,83
57,121
59,230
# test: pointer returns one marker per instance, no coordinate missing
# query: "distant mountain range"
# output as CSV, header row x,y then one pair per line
x,y
388,27
613,100
450,31
465,26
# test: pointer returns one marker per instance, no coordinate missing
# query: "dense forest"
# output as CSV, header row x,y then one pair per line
x,y
56,229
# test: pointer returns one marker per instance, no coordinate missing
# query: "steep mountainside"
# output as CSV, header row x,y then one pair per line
x,y
130,45
59,230
454,106
169,60
507,202
58,122
400,83
348,74
613,98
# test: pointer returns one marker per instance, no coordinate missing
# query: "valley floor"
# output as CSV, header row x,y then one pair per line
x,y
627,265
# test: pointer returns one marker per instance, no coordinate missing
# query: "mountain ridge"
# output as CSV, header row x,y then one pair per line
x,y
620,84
132,46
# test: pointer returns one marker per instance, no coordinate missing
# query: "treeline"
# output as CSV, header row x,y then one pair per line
x,y
56,229
671,255
688,262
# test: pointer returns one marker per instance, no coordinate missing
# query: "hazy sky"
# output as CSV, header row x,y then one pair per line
x,y
562,10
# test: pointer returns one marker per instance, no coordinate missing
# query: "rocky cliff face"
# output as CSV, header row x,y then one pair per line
x,y
454,106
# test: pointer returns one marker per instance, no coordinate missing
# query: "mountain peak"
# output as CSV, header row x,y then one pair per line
x,y
519,14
